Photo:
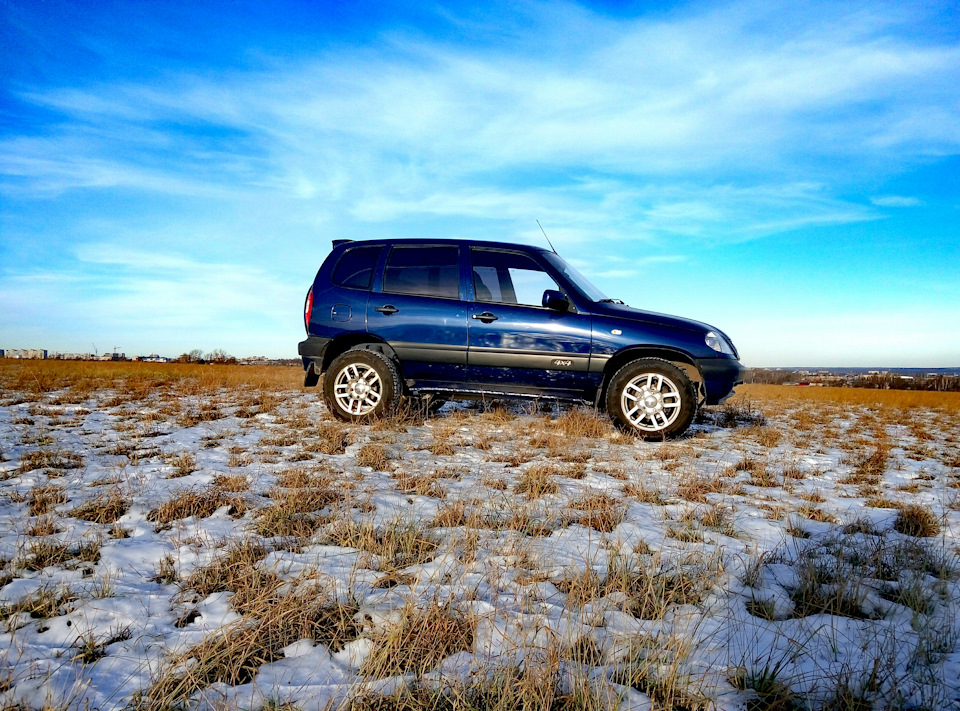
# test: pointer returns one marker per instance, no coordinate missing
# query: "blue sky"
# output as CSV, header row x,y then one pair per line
x,y
172,174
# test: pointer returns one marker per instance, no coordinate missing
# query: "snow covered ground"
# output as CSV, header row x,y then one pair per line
x,y
240,549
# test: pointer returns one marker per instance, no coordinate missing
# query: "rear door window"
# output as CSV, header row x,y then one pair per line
x,y
423,271
355,268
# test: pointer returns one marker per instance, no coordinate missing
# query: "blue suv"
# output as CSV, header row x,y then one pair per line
x,y
433,319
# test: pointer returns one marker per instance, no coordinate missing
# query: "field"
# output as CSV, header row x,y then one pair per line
x,y
208,537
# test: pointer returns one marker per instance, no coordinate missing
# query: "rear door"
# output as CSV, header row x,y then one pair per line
x,y
418,307
515,344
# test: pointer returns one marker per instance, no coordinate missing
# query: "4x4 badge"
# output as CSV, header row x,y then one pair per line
x,y
563,363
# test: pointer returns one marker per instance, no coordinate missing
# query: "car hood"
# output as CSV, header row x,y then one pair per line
x,y
640,316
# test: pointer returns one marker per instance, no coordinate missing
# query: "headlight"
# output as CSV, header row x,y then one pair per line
x,y
718,343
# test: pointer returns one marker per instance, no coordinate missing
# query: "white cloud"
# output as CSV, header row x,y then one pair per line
x,y
896,201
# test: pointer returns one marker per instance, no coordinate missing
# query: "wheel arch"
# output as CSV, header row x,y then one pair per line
x,y
342,344
682,360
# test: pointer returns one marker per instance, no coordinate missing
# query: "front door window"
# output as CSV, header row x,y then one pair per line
x,y
509,278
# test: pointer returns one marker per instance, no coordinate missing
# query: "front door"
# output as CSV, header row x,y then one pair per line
x,y
516,345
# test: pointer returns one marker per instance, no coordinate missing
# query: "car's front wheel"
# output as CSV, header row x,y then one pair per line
x,y
652,398
362,385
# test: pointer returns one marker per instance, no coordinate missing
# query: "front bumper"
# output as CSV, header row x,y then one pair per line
x,y
720,376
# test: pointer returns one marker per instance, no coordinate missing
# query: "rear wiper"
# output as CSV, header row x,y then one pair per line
x,y
611,301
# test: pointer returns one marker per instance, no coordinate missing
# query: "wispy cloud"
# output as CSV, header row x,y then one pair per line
x,y
377,130
896,201
153,297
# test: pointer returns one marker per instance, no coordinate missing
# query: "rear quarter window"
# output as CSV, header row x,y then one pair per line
x,y
355,268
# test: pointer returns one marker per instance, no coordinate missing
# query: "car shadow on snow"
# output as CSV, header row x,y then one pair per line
x,y
728,416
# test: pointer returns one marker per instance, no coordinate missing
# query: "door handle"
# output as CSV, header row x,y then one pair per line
x,y
486,317
387,310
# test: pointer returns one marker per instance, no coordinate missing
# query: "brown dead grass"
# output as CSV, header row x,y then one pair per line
x,y
421,640
331,438
398,545
295,511
233,570
49,459
48,601
916,520
536,482
647,588
599,511
43,499
374,456
105,508
583,423
198,503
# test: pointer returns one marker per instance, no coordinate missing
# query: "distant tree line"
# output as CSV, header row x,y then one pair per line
x,y
217,355
766,376
877,381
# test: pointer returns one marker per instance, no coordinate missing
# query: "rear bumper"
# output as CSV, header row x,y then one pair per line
x,y
312,348
311,353
720,376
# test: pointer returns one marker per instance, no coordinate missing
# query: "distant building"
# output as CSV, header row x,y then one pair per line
x,y
254,360
31,353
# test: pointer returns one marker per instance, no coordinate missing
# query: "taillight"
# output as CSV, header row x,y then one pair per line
x,y
307,310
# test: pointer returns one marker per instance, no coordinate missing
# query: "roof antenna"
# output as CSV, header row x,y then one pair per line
x,y
547,238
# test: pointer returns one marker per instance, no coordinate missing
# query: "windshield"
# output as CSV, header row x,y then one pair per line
x,y
579,281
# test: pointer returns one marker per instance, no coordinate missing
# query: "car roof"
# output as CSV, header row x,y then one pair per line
x,y
441,242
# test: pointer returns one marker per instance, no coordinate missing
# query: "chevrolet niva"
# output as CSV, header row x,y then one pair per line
x,y
437,319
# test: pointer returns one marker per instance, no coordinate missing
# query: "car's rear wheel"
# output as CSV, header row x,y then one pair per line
x,y
362,385
652,398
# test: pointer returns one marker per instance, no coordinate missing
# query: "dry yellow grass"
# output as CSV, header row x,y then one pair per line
x,y
904,399
40,376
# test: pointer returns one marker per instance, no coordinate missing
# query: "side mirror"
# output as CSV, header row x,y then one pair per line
x,y
555,301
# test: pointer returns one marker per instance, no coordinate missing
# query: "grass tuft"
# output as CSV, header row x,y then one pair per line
x,y
916,520
105,508
419,641
374,456
535,481
196,503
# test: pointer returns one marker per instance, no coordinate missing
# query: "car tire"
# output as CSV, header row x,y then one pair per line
x,y
362,385
651,398
431,404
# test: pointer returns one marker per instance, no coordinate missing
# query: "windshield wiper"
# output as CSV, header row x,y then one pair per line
x,y
611,301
